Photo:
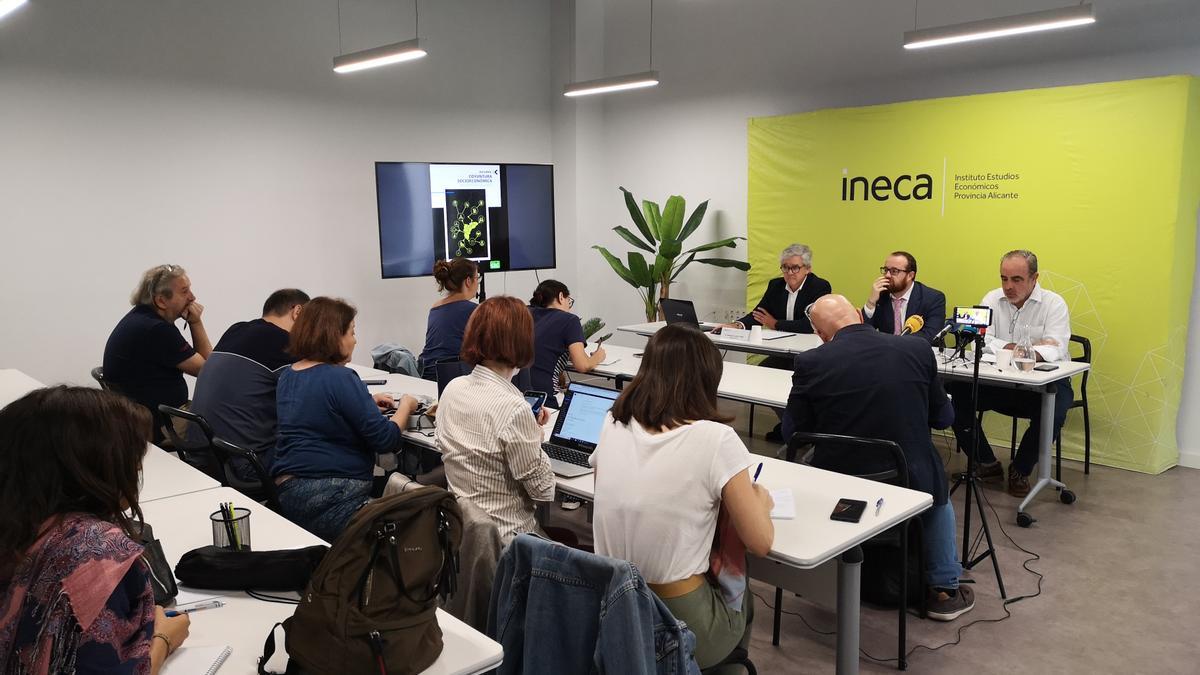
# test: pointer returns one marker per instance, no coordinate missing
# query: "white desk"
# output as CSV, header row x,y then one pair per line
x,y
14,384
1034,380
182,524
739,381
777,347
165,475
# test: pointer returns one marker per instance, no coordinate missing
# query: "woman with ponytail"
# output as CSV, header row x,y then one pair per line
x,y
459,280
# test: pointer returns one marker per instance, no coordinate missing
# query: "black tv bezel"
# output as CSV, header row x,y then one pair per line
x,y
553,214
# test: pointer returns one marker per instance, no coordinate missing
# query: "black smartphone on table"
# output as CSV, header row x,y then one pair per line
x,y
1045,367
848,510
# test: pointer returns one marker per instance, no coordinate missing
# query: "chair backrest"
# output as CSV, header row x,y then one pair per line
x,y
194,446
866,451
98,376
262,489
622,379
1085,357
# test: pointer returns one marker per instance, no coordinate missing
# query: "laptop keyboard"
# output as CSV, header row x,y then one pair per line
x,y
566,455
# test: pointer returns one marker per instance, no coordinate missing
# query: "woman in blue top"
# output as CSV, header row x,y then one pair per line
x,y
459,279
558,336
330,427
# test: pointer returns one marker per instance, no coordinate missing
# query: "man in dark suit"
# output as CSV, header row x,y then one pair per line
x,y
782,307
897,287
873,385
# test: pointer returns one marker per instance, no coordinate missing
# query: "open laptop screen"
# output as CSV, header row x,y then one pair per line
x,y
584,407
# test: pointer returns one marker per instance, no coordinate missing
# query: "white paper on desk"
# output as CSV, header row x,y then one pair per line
x,y
785,504
988,358
769,334
609,363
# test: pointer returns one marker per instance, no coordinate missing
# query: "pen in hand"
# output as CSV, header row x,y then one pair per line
x,y
211,604
757,472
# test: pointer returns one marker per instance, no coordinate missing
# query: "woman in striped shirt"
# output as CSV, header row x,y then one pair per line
x,y
490,440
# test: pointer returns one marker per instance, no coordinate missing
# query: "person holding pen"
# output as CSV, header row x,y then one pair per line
x,y
666,463
74,590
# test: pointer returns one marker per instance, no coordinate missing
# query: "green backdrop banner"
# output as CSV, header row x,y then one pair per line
x,y
1101,181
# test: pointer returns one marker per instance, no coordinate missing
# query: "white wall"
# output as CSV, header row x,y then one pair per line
x,y
214,135
724,63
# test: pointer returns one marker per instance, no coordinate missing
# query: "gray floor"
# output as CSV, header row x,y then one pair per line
x,y
1117,595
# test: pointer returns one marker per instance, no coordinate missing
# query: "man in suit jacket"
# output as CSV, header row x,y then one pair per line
x,y
897,286
782,305
869,384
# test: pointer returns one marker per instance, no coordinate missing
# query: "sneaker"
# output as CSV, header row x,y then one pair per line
x,y
1018,485
990,471
775,435
949,604
570,504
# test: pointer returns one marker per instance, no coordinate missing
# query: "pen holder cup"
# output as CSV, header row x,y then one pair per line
x,y
232,533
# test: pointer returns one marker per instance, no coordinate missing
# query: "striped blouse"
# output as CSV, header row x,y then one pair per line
x,y
491,445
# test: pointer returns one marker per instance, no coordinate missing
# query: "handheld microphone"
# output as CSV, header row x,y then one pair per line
x,y
913,324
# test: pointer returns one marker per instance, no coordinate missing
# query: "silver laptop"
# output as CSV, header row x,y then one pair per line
x,y
577,429
683,311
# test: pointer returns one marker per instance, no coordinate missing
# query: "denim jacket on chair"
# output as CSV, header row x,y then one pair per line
x,y
555,609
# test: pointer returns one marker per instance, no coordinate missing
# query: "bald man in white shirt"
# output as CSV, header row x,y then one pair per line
x,y
1019,303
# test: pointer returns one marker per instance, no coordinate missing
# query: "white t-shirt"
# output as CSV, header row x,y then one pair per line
x,y
657,495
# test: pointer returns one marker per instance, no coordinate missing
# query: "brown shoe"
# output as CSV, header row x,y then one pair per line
x,y
1018,485
990,472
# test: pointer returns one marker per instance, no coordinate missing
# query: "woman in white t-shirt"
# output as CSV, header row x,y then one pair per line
x,y
665,463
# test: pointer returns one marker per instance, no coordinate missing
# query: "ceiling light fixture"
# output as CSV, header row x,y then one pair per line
x,y
9,6
606,85
374,57
1017,24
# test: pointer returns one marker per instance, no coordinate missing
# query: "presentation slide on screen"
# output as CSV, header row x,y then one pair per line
x,y
464,193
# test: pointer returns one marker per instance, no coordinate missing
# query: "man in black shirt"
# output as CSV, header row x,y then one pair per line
x,y
236,391
146,356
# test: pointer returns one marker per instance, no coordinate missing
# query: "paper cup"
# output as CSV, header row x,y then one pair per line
x,y
756,333
1004,359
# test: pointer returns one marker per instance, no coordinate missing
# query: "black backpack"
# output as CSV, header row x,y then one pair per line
x,y
371,605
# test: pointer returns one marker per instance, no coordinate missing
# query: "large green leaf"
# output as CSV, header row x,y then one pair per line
x,y
632,238
638,219
653,217
672,219
687,261
724,262
639,269
730,242
618,267
662,265
670,249
694,221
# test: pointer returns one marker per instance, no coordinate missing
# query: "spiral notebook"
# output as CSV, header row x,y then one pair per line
x,y
195,661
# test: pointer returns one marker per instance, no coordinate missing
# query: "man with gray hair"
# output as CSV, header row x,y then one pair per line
x,y
146,356
1019,306
782,305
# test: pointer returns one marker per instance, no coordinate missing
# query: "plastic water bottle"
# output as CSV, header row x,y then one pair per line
x,y
1024,356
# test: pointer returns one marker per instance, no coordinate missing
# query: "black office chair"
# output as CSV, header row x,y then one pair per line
x,y
195,445
1079,402
881,453
260,490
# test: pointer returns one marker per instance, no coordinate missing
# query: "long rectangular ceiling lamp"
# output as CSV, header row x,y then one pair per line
x,y
606,85
9,6
385,55
1017,24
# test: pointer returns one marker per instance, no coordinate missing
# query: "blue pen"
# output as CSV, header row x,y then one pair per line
x,y
757,471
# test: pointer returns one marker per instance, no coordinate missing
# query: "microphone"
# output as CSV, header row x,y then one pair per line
x,y
941,334
913,324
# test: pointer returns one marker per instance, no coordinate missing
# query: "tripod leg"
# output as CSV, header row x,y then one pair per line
x,y
987,533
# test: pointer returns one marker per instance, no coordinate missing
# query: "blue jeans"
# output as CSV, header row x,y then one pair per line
x,y
323,506
942,566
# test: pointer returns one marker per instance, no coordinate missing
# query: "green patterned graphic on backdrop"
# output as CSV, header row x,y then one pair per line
x,y
1102,181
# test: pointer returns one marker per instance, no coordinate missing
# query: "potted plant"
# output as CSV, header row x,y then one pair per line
x,y
662,235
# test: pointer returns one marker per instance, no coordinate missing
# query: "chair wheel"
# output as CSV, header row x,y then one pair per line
x,y
1024,519
1066,496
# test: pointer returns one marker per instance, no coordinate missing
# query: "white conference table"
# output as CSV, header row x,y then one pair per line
x,y
182,524
1043,382
165,475
739,381
780,346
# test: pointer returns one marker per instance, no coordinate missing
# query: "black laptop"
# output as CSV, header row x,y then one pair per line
x,y
577,429
683,311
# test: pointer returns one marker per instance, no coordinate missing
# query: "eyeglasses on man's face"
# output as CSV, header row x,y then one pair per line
x,y
892,271
792,269
808,311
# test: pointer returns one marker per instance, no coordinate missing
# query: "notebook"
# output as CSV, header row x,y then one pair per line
x,y
785,504
200,660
